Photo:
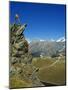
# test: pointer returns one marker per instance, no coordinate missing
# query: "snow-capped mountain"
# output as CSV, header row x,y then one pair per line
x,y
41,40
61,39
49,47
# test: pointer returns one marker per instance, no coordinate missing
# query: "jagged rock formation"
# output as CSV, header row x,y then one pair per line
x,y
21,58
19,46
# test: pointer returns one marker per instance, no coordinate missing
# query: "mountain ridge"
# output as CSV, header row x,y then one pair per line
x,y
61,39
47,48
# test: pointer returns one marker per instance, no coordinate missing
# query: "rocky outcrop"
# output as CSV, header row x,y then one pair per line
x,y
20,57
19,46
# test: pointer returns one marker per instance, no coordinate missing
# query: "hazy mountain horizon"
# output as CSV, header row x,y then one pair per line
x,y
61,39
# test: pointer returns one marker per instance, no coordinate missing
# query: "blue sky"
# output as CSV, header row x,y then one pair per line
x,y
44,21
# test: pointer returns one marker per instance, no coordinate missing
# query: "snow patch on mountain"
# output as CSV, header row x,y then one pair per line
x,y
28,40
62,39
41,40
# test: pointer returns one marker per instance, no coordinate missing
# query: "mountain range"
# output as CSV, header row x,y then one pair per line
x,y
47,48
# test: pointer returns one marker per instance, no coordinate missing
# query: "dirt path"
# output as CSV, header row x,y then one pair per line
x,y
49,65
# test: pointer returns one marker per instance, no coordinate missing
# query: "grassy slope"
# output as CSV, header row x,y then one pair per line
x,y
52,74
